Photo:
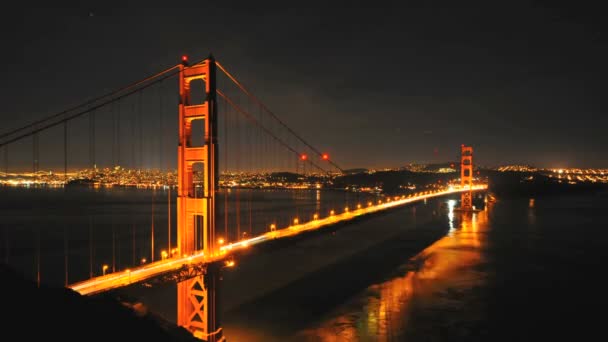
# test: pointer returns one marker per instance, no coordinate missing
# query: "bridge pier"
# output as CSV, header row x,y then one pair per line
x,y
466,177
198,305
197,298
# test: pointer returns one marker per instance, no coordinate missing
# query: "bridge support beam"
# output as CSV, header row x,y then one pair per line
x,y
466,177
197,308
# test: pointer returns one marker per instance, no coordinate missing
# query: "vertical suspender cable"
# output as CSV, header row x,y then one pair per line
x,y
65,152
118,134
141,134
152,228
38,257
160,126
90,247
113,247
225,161
92,139
65,254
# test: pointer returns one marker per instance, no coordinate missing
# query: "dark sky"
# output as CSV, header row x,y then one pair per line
x,y
378,85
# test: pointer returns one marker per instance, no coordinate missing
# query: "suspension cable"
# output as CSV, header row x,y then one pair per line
x,y
261,104
114,92
257,123
140,85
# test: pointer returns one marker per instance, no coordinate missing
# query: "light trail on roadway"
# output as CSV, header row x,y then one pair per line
x,y
130,276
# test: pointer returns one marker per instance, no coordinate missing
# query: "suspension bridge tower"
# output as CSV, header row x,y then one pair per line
x,y
466,177
197,298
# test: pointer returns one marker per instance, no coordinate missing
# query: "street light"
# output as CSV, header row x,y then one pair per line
x,y
296,220
143,260
315,216
220,241
273,227
331,212
103,269
174,251
163,255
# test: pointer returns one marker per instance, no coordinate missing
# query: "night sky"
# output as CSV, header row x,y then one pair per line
x,y
375,86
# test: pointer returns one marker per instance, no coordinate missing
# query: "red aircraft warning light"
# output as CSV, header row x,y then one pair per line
x,y
303,157
325,156
184,59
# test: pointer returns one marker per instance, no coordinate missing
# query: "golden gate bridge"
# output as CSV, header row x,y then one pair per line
x,y
229,144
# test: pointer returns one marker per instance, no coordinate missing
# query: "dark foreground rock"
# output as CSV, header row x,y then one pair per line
x,y
58,314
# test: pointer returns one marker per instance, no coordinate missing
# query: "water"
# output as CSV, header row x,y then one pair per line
x,y
114,226
521,270
524,269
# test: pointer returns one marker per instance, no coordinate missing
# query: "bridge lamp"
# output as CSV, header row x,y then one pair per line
x,y
296,221
359,206
331,212
143,260
104,268
163,255
345,209
369,204
273,227
220,241
315,216
174,251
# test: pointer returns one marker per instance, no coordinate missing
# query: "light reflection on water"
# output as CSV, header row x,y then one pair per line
x,y
384,312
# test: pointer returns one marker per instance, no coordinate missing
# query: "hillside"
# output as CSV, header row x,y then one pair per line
x,y
59,314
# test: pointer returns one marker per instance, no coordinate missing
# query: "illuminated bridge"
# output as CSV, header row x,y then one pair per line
x,y
198,213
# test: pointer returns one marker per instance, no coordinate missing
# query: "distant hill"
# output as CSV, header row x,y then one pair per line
x,y
353,171
59,314
390,181
517,184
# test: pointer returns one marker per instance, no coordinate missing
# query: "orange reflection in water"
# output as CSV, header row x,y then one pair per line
x,y
383,312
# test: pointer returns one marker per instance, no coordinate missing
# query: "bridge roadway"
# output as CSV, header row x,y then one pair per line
x,y
141,273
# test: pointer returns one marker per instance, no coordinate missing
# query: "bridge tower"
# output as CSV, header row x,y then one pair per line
x,y
197,299
466,177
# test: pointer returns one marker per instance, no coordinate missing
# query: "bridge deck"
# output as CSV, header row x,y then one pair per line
x,y
155,269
